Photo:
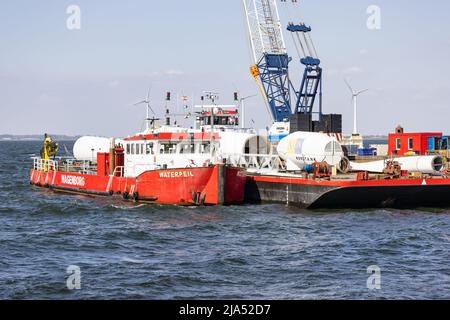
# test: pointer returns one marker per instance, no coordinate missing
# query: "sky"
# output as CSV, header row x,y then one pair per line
x,y
86,81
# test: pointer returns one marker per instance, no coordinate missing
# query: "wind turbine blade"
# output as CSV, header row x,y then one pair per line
x,y
148,94
349,86
362,91
141,102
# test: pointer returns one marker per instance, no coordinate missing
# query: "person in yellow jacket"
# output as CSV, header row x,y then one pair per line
x,y
49,150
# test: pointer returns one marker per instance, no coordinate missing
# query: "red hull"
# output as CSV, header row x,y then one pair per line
x,y
187,186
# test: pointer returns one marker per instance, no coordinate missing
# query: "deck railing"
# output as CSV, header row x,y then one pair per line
x,y
64,164
45,165
255,161
119,171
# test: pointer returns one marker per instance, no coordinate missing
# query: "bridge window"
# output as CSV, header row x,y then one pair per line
x,y
187,148
139,148
444,144
168,148
205,147
398,144
410,143
149,148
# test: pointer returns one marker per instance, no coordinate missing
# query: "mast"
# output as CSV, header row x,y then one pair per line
x,y
212,96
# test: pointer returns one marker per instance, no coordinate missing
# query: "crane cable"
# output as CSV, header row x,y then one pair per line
x,y
301,45
255,73
313,46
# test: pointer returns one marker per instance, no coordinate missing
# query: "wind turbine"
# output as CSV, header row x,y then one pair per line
x,y
355,95
149,121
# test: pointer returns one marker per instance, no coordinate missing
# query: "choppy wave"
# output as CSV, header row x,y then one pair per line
x,y
169,252
127,207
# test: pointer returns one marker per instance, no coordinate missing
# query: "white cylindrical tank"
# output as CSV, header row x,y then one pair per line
x,y
302,148
87,147
237,143
425,164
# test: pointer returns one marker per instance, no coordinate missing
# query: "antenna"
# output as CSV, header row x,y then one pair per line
x,y
355,95
148,120
168,115
213,97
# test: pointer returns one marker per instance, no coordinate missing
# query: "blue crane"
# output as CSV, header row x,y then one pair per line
x,y
271,62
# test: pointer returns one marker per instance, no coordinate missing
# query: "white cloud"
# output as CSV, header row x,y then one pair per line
x,y
173,72
168,72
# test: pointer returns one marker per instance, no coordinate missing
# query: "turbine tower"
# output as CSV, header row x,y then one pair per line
x,y
355,95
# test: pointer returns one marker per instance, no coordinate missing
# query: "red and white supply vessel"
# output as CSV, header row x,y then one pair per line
x,y
164,164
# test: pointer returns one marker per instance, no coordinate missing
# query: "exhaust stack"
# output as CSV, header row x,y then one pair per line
x,y
112,156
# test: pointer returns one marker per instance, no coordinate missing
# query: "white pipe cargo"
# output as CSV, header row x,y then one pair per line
x,y
424,164
87,147
302,148
243,143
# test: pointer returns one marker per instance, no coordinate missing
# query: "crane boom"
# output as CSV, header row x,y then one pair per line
x,y
312,76
270,58
291,107
264,27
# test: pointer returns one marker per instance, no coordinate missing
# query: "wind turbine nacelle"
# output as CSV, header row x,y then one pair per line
x,y
305,148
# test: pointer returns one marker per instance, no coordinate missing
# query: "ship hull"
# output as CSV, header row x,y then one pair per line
x,y
320,194
187,186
